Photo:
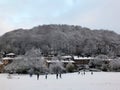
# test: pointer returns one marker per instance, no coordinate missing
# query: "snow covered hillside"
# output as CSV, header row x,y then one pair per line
x,y
73,81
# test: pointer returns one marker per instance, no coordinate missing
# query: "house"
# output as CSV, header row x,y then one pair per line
x,y
12,55
66,57
82,61
7,60
76,60
64,60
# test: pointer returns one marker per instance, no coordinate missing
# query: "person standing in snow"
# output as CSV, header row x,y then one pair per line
x,y
79,72
9,76
60,75
56,75
91,72
84,72
46,75
38,76
30,72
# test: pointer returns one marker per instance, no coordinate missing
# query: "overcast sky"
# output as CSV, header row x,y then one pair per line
x,y
94,14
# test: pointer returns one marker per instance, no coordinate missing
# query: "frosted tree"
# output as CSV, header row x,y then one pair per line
x,y
114,65
70,67
56,67
31,60
99,61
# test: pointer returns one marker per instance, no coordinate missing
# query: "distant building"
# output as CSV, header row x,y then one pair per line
x,y
12,55
68,57
82,61
7,60
64,59
65,62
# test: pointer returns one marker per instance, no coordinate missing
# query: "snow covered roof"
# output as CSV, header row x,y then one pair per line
x,y
10,54
63,61
64,57
7,58
82,58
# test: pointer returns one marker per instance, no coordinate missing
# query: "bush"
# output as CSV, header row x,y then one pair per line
x,y
70,67
115,65
56,68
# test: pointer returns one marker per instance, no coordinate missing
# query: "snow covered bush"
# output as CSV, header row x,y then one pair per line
x,y
22,64
114,65
56,67
70,67
100,60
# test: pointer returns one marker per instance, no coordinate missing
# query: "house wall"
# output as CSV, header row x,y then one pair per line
x,y
1,68
82,62
5,62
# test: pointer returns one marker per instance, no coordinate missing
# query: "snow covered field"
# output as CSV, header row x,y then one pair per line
x,y
97,81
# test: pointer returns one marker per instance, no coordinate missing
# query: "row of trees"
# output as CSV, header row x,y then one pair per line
x,y
62,39
34,62
102,62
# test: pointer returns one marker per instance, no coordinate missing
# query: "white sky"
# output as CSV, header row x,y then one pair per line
x,y
94,14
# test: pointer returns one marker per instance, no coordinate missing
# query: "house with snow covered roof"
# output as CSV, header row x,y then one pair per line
x,y
65,62
64,59
67,57
82,60
12,55
79,61
8,59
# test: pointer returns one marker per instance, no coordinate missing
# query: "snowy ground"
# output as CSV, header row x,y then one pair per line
x,y
97,81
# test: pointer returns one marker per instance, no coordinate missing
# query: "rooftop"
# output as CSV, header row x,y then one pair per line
x,y
10,54
82,58
63,61
7,58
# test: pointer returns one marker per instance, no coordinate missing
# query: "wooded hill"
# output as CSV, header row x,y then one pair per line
x,y
62,39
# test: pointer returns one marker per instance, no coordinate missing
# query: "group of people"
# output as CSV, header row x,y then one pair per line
x,y
58,75
84,72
